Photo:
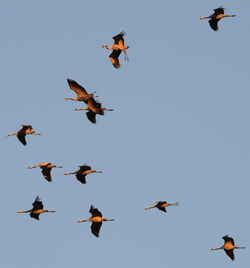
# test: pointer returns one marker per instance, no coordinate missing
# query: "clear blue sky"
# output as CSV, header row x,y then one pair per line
x,y
179,132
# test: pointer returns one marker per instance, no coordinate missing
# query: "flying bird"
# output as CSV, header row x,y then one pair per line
x,y
36,210
161,205
93,107
82,94
96,220
117,48
25,130
228,246
215,17
82,172
46,170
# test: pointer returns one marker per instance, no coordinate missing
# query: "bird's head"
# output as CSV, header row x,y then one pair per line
x,y
212,248
104,45
19,211
77,109
67,173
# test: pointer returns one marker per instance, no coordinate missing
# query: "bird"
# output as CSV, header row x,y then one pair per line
x,y
25,130
82,172
117,48
161,205
93,108
36,210
228,246
82,94
46,169
96,220
215,17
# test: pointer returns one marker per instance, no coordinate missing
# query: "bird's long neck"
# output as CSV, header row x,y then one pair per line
x,y
33,167
24,211
69,173
202,18
149,208
12,134
107,219
239,247
108,48
81,109
81,221
70,99
50,211
216,248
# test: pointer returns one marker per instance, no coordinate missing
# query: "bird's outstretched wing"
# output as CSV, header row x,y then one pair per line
x,y
84,168
219,10
114,57
119,38
228,239
162,209
91,116
35,216
46,174
95,228
37,204
81,178
79,90
95,212
230,253
25,127
21,136
214,24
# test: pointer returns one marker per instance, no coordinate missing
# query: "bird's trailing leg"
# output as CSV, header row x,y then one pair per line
x,y
33,132
126,56
174,204
105,109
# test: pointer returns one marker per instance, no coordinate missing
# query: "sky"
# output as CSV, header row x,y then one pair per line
x,y
179,132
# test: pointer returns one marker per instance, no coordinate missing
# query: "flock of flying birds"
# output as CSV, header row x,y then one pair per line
x,y
93,108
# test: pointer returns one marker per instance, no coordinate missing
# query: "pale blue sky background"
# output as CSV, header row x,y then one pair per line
x,y
179,132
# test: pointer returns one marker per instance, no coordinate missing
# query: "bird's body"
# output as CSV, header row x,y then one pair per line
x,y
161,205
82,172
215,17
118,47
228,246
36,210
96,220
46,169
25,130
